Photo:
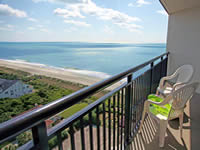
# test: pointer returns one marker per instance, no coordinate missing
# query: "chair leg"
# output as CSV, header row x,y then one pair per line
x,y
181,124
163,127
142,121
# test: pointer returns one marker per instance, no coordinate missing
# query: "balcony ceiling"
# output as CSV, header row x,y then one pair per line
x,y
172,6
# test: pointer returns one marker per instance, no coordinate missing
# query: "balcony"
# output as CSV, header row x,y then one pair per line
x,y
111,122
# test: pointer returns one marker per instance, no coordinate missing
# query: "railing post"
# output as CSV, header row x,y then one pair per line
x,y
161,67
127,113
40,138
166,64
151,77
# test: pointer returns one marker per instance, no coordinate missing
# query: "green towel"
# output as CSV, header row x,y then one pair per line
x,y
157,110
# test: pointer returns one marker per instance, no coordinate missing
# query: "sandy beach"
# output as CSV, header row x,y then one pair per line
x,y
71,75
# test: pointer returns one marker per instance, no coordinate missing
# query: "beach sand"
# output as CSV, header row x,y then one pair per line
x,y
63,74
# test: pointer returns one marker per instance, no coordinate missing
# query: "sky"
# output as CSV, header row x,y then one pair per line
x,y
113,21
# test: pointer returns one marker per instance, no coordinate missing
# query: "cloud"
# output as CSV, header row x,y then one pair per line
x,y
77,23
44,30
31,28
40,26
6,10
108,29
130,27
142,2
61,1
131,5
71,29
7,27
67,13
162,12
105,14
139,3
33,19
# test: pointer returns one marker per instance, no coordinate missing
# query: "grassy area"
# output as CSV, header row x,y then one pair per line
x,y
73,109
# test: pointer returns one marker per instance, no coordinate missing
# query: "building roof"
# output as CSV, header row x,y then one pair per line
x,y
173,6
5,84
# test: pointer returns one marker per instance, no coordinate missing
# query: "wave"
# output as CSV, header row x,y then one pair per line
x,y
96,74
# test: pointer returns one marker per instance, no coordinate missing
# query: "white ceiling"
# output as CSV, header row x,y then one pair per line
x,y
173,6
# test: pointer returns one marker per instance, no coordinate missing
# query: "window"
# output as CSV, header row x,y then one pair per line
x,y
11,92
6,92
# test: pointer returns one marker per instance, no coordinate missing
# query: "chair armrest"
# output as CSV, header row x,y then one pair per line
x,y
162,81
165,101
176,85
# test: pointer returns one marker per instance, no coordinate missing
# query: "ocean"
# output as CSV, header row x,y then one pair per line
x,y
95,59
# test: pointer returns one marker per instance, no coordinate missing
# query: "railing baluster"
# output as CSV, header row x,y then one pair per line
x,y
104,126
114,99
98,129
109,125
40,138
118,114
91,131
122,117
151,77
59,137
127,113
131,108
135,103
82,134
72,140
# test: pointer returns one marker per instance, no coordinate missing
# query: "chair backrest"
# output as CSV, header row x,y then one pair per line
x,y
185,73
183,94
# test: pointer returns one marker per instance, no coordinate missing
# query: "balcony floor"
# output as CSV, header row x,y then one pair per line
x,y
148,139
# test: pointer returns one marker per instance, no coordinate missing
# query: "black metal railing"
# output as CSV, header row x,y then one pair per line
x,y
111,122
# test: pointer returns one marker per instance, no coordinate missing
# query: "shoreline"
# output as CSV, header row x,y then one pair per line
x,y
84,77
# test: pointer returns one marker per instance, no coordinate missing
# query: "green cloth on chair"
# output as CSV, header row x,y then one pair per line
x,y
160,111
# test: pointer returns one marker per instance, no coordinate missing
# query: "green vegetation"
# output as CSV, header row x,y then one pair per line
x,y
73,109
45,90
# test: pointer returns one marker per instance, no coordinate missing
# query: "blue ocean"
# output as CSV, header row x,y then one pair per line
x,y
109,58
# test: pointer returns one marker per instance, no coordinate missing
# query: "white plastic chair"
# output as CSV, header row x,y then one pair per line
x,y
182,75
173,105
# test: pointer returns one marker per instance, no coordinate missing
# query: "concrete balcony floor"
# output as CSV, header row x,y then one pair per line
x,y
148,139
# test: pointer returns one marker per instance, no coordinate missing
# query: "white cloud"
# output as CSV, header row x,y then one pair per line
x,y
62,1
105,14
77,23
7,27
162,12
131,5
142,2
44,30
71,29
108,29
130,27
139,3
40,26
31,28
6,10
67,13
33,19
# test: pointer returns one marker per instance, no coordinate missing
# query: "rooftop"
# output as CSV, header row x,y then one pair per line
x,y
5,84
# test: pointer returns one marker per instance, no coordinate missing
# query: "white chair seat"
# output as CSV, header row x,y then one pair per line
x,y
165,91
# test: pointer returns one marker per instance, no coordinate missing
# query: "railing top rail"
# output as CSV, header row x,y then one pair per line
x,y
26,121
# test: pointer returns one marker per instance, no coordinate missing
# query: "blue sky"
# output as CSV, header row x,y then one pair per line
x,y
122,21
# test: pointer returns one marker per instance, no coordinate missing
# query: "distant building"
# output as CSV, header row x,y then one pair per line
x,y
13,88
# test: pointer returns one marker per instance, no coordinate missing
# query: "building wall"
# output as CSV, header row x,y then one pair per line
x,y
183,41
16,90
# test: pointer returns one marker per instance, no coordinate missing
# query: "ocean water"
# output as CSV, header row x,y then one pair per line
x,y
91,58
